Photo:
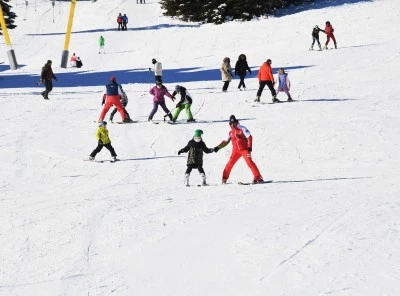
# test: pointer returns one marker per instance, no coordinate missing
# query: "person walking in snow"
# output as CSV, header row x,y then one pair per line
x,y
101,44
284,84
242,144
158,92
47,77
195,147
124,103
241,68
112,96
329,34
226,73
103,141
266,78
124,22
184,103
315,37
157,69
119,21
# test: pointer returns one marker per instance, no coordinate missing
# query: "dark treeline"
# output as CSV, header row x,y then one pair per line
x,y
9,15
219,11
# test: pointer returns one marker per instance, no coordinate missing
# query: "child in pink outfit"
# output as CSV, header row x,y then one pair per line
x,y
284,83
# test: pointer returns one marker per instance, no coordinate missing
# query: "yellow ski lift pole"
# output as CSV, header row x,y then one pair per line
x,y
10,52
65,53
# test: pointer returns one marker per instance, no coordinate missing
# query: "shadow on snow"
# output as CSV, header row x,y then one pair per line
x,y
77,78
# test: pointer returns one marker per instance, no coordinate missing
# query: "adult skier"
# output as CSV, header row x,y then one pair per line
x,y
157,69
329,34
226,73
266,78
195,147
242,144
47,77
184,103
241,68
158,92
119,21
112,96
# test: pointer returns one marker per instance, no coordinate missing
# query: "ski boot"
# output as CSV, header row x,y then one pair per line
x,y
187,180
91,158
191,120
114,158
275,100
335,45
258,180
257,100
203,178
290,99
224,181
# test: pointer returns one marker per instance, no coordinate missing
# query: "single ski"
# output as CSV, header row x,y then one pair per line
x,y
122,122
101,161
251,183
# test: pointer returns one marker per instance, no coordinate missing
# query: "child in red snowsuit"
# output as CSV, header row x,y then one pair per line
x,y
242,146
329,34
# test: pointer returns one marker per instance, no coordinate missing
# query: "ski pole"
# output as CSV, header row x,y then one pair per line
x,y
168,113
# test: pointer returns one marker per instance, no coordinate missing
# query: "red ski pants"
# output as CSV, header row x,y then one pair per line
x,y
110,101
328,37
236,154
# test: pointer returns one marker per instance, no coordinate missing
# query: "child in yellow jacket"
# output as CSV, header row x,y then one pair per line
x,y
104,140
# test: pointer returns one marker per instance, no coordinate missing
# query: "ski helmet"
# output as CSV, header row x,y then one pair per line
x,y
328,23
103,123
177,87
113,78
153,61
232,120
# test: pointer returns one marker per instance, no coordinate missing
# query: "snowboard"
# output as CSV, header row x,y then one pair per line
x,y
251,183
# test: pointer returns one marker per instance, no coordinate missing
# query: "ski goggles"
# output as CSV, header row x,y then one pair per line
x,y
197,139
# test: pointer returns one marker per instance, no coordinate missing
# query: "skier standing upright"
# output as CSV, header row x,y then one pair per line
x,y
284,84
266,78
315,37
195,147
47,77
241,68
329,34
242,143
101,44
119,21
124,22
157,69
226,73
112,96
158,92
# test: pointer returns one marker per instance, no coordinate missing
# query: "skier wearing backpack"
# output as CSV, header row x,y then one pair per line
x,y
195,147
315,37
184,103
329,34
242,143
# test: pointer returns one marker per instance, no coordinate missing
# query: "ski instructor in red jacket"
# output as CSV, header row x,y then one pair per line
x,y
242,146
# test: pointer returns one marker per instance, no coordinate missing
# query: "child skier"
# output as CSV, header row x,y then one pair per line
x,y
329,34
104,140
159,91
101,44
195,147
284,84
315,37
124,103
184,103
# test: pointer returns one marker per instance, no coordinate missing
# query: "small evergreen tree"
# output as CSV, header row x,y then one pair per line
x,y
9,16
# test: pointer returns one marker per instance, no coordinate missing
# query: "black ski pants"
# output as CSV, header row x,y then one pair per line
x,y
225,87
270,85
49,87
100,146
241,83
115,111
190,167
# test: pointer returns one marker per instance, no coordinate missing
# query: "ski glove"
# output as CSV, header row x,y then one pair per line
x,y
249,149
216,149
178,105
180,151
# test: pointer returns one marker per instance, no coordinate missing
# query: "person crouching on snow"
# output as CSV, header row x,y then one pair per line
x,y
195,147
184,103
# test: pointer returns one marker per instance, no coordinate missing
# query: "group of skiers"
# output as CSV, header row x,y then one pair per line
x,y
329,35
122,21
75,61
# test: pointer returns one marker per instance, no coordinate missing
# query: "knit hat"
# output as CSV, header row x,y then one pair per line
x,y
103,123
197,133
49,62
232,119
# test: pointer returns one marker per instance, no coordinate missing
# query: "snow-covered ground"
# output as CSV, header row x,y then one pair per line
x,y
328,225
